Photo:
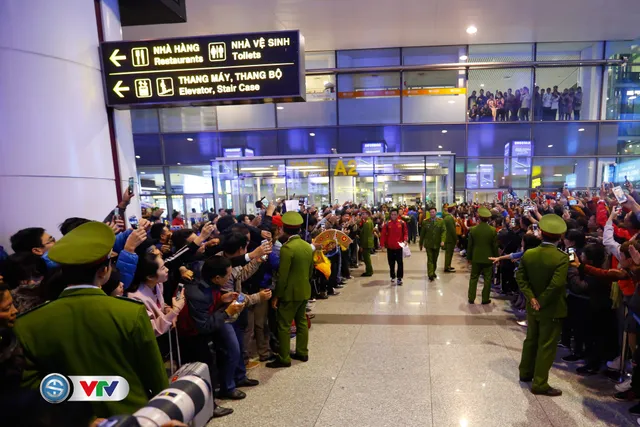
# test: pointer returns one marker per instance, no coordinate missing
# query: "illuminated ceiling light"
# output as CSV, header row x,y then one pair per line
x,y
280,108
312,134
581,130
439,146
189,139
557,174
550,145
463,57
471,29
142,173
452,102
625,150
270,166
444,131
137,157
503,177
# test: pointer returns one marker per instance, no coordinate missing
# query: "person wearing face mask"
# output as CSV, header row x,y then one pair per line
x,y
84,332
35,240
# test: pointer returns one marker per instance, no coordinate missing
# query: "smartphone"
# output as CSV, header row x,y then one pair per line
x,y
264,242
133,221
573,202
535,227
513,222
572,254
131,183
240,300
180,292
619,193
116,214
566,208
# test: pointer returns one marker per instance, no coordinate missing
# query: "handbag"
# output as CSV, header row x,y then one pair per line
x,y
406,251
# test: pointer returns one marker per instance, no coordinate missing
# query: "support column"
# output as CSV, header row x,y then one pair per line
x,y
55,149
112,31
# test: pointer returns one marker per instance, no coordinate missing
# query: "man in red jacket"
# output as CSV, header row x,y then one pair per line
x,y
394,232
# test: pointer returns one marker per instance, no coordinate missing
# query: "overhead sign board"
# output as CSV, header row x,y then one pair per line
x,y
206,70
374,147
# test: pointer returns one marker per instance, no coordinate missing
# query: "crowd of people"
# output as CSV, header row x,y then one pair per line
x,y
571,262
521,105
234,288
237,287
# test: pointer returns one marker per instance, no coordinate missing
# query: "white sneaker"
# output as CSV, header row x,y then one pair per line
x,y
393,281
622,387
614,364
522,323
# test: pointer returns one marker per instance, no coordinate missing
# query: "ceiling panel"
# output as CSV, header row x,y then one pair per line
x,y
350,24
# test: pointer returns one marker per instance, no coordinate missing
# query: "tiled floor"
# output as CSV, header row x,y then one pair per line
x,y
418,355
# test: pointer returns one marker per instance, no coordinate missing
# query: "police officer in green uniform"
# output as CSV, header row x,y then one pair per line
x,y
366,242
86,332
452,238
432,238
292,292
483,243
542,278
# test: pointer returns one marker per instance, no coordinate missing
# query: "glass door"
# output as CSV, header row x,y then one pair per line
x,y
225,180
400,180
352,180
260,179
439,180
309,178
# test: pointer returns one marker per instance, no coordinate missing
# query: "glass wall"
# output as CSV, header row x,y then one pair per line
x,y
152,187
619,138
590,132
621,91
336,179
369,98
320,108
554,172
500,94
433,96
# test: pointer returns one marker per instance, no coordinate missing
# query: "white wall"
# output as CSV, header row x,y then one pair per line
x,y
55,150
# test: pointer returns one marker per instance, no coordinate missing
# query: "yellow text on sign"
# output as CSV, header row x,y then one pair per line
x,y
349,170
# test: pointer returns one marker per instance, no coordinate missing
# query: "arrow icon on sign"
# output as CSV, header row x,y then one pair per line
x,y
115,57
118,89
